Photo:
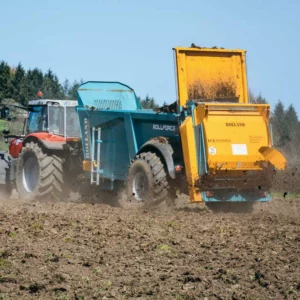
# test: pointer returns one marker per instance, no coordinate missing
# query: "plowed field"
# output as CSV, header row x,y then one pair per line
x,y
81,250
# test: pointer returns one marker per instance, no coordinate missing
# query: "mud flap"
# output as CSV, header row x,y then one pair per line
x,y
274,157
7,174
4,167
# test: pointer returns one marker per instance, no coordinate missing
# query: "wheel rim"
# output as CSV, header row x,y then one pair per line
x,y
139,186
31,174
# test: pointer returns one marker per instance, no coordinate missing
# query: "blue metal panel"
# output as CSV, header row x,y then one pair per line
x,y
85,132
125,127
121,153
201,152
236,198
153,127
203,149
201,155
130,134
107,96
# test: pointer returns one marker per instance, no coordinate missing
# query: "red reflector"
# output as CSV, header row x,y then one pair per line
x,y
178,168
263,194
209,194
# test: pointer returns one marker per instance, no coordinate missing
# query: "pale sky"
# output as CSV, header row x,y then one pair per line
x,y
131,41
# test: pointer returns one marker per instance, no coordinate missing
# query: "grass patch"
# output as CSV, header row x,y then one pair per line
x,y
12,234
51,257
105,286
3,145
59,278
164,248
3,125
5,264
68,239
96,271
172,224
37,226
15,127
3,297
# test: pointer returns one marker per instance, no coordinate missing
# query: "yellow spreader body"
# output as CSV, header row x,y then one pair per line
x,y
226,141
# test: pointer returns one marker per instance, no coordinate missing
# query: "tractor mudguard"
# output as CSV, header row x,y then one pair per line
x,y
49,141
53,145
161,144
15,147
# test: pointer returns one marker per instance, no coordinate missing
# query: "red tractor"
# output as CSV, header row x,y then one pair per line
x,y
41,162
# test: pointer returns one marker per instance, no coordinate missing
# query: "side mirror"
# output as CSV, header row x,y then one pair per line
x,y
6,132
4,112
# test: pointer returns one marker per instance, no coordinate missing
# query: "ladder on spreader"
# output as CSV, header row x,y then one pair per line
x,y
95,165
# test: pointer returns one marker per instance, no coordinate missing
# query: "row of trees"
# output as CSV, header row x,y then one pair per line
x,y
22,85
284,120
286,135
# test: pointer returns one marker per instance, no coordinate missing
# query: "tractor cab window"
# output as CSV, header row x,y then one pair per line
x,y
37,119
72,122
59,117
56,119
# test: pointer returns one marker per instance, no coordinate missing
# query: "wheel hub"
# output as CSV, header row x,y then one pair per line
x,y
30,174
140,186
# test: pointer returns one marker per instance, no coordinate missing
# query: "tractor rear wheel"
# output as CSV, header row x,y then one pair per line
x,y
39,175
147,180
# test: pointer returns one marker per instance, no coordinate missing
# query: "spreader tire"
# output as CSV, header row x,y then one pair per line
x,y
147,180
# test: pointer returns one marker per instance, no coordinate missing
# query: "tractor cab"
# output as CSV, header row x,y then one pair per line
x,y
58,117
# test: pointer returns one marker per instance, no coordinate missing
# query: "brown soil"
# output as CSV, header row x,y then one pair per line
x,y
217,89
96,251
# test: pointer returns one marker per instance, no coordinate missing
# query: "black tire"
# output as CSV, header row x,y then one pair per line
x,y
39,176
147,180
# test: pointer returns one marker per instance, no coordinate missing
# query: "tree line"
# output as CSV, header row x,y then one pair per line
x,y
285,123
22,85
286,138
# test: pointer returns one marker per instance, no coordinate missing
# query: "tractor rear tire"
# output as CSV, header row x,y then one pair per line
x,y
39,176
147,180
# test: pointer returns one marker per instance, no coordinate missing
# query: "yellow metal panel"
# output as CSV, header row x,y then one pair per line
x,y
190,158
235,147
86,165
210,73
234,133
274,157
189,150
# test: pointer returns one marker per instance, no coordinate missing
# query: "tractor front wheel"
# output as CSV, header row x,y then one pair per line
x,y
147,180
39,175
